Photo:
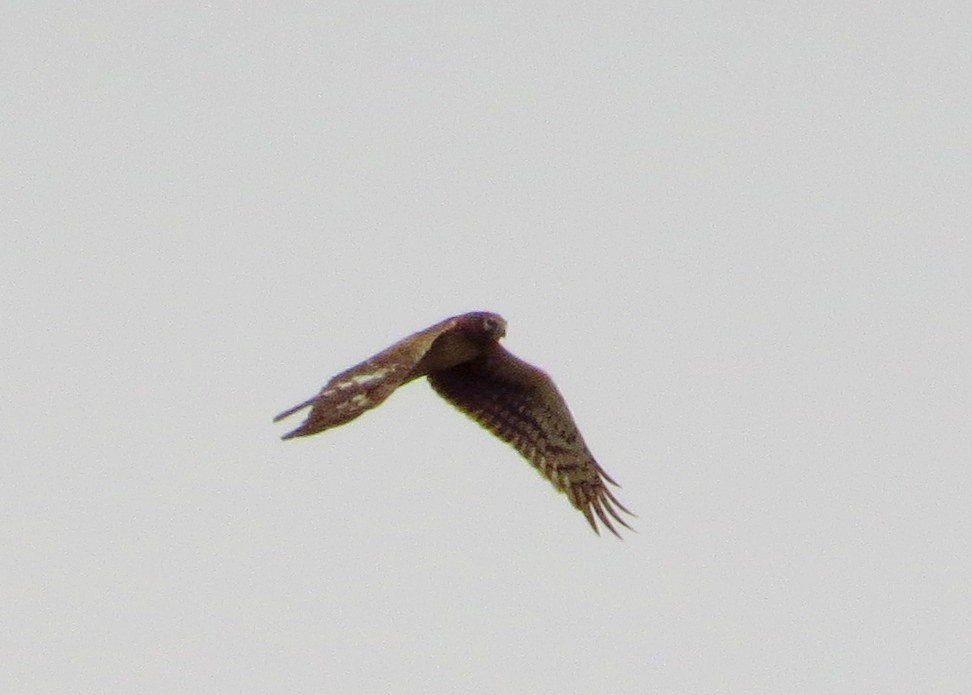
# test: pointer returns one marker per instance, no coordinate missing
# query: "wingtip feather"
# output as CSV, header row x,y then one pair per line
x,y
291,411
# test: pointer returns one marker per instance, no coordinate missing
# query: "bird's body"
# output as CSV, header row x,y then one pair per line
x,y
466,365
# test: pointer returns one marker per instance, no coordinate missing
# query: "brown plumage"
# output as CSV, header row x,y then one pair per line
x,y
467,366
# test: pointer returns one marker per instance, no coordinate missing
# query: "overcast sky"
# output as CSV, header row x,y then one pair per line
x,y
736,234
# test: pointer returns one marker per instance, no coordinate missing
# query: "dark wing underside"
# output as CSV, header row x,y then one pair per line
x,y
521,405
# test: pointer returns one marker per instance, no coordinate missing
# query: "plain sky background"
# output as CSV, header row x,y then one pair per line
x,y
736,234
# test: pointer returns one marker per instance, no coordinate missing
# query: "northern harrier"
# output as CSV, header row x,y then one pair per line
x,y
467,366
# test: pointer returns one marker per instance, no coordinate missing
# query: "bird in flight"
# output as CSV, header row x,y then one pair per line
x,y
466,365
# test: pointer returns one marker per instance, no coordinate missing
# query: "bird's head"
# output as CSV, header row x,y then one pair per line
x,y
483,326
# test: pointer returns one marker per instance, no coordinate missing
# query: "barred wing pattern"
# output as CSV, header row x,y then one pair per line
x,y
521,405
468,367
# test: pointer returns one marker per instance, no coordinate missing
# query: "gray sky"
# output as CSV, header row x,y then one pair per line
x,y
737,235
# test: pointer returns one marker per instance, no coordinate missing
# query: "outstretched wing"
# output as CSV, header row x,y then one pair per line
x,y
521,405
366,385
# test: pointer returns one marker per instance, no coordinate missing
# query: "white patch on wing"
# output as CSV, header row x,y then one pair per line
x,y
365,378
359,400
361,379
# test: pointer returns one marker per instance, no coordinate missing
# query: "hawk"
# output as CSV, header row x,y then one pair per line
x,y
466,365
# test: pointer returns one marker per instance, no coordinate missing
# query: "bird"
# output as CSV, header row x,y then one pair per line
x,y
465,364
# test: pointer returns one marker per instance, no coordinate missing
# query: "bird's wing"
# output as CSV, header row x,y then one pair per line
x,y
521,405
366,385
